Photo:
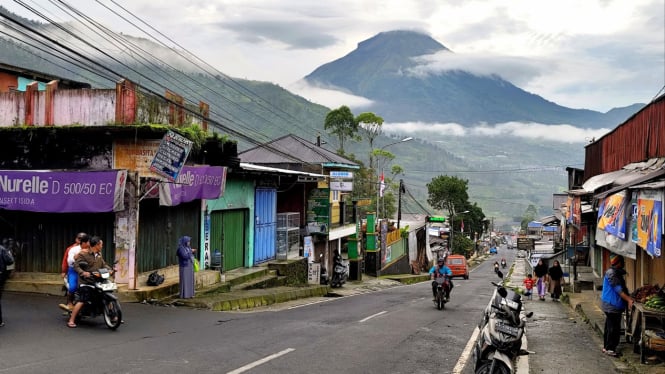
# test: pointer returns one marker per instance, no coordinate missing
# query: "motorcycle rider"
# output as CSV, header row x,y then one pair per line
x,y
440,270
91,256
503,262
496,267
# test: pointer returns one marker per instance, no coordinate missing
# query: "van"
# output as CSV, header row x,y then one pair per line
x,y
457,264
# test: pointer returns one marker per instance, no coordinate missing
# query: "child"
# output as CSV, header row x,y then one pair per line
x,y
528,286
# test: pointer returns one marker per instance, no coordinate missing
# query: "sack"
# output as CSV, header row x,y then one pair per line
x,y
155,279
196,265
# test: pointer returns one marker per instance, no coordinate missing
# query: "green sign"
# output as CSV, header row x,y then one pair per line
x,y
436,219
318,211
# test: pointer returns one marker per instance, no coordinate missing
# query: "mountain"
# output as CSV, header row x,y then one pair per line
x,y
382,69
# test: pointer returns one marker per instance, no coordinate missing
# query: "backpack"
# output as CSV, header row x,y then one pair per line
x,y
155,279
6,259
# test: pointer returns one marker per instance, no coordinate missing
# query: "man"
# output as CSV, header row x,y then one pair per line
x,y
614,300
440,270
91,256
69,275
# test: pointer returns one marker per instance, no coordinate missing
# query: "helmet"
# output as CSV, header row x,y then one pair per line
x,y
441,260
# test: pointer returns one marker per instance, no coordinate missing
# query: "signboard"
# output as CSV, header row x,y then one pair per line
x,y
171,155
341,186
62,192
364,202
649,221
318,211
341,174
313,273
308,249
194,182
526,244
135,155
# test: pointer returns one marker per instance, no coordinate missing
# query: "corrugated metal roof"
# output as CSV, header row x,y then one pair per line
x,y
248,166
628,175
650,186
291,149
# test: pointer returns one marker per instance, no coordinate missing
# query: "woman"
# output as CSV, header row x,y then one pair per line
x,y
556,279
541,273
186,261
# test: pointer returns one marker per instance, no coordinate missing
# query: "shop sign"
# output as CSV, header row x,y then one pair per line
x,y
62,192
193,182
318,211
171,155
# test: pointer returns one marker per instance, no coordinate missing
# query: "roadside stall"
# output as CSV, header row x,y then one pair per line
x,y
645,324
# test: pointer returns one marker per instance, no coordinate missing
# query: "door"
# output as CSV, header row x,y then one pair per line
x,y
228,234
265,225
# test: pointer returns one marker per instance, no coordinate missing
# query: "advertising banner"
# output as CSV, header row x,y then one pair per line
x,y
318,211
62,191
612,215
574,213
649,221
171,155
194,182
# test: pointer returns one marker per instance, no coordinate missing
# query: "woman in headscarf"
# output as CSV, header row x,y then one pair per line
x,y
541,274
556,280
186,261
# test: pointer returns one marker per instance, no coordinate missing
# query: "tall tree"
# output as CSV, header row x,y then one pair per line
x,y
370,126
448,193
530,214
340,122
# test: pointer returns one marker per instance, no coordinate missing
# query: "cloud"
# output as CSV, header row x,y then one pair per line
x,y
295,35
554,133
329,97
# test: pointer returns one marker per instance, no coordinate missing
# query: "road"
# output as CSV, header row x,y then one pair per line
x,y
396,330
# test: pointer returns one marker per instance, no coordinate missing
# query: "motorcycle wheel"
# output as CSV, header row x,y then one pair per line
x,y
112,314
499,368
439,300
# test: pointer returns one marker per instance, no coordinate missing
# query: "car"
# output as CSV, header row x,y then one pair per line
x,y
493,250
458,265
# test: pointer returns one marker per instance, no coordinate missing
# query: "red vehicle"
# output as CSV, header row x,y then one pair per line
x,y
457,264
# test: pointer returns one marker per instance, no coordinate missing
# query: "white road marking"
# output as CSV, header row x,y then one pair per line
x,y
466,354
372,316
261,361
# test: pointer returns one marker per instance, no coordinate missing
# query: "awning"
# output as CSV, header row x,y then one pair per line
x,y
629,175
254,167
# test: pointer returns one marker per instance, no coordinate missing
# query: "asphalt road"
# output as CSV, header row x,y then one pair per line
x,y
396,330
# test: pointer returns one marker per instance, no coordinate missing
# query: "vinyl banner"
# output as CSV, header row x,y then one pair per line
x,y
193,182
62,191
612,215
649,221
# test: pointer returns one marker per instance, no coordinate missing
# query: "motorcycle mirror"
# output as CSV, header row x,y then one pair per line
x,y
500,274
503,292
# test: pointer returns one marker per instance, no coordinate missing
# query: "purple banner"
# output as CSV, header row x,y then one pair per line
x,y
194,182
62,191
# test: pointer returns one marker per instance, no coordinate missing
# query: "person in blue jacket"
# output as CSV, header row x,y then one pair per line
x,y
614,300
440,270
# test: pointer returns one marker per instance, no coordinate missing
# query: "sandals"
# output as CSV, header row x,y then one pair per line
x,y
71,325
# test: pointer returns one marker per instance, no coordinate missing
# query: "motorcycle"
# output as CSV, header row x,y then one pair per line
x,y
501,332
340,273
102,301
442,292
496,267
323,277
503,264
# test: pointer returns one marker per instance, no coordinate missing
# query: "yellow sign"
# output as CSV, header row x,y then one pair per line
x,y
135,155
364,202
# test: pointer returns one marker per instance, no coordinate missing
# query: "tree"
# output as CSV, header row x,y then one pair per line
x,y
448,193
370,125
341,122
530,214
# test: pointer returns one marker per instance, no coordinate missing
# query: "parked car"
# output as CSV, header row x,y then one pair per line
x,y
493,250
458,265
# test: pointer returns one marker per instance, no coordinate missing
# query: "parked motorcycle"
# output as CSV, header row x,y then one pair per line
x,y
102,301
501,331
340,272
442,292
323,277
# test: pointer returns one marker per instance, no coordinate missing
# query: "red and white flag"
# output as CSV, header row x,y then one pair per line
x,y
382,186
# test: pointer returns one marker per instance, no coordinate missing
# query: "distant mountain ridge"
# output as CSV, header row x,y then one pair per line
x,y
377,68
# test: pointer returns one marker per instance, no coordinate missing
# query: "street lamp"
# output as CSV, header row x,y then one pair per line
x,y
452,229
378,190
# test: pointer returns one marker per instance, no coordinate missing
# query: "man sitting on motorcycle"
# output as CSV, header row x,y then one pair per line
x,y
87,261
440,270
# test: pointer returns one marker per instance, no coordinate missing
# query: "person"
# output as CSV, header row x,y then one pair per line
x,y
555,275
4,274
496,267
186,266
613,302
69,275
503,262
91,256
72,275
528,286
440,270
541,275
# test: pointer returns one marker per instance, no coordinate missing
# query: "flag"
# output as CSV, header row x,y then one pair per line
x,y
382,185
461,226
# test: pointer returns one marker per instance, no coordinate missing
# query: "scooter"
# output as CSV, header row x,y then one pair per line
x,y
503,263
102,301
442,292
340,272
501,332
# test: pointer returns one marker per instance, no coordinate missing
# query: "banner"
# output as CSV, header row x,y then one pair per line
x,y
171,155
194,182
612,215
574,212
649,221
63,191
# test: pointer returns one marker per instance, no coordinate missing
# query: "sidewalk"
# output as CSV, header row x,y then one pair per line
x,y
567,336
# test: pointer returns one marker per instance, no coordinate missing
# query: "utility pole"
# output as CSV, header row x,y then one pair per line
x,y
399,201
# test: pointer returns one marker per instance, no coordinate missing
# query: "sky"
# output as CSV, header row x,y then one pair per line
x,y
591,54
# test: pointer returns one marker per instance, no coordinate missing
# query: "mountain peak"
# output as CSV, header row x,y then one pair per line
x,y
403,42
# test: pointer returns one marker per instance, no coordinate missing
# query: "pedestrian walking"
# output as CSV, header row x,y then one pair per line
x,y
186,267
555,275
5,253
614,300
541,275
528,286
